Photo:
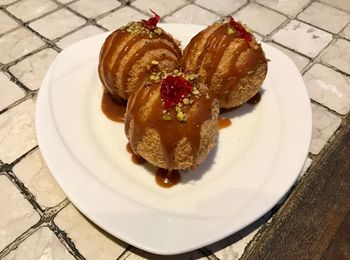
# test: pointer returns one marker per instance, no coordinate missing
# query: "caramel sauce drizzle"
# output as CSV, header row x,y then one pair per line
x,y
123,53
187,53
110,62
135,158
171,132
224,122
140,53
209,46
213,51
167,178
106,58
217,55
114,109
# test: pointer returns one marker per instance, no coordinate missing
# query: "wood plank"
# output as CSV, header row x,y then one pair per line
x,y
340,246
307,223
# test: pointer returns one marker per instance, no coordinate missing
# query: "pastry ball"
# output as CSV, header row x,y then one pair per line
x,y
229,60
172,123
130,54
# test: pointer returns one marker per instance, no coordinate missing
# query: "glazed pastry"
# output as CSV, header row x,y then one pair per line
x,y
228,60
132,53
172,121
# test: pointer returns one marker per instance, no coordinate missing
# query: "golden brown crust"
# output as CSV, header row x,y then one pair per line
x,y
146,130
232,67
126,57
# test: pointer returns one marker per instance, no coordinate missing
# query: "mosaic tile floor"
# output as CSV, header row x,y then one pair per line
x,y
37,220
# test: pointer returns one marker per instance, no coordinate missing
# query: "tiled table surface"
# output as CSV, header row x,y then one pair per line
x,y
37,221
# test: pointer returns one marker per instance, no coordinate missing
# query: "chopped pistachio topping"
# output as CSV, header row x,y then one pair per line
x,y
158,31
181,116
230,31
195,91
167,117
154,62
186,101
137,28
176,71
192,76
154,77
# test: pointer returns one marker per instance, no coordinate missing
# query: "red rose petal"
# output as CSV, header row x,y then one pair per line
x,y
174,89
240,30
151,22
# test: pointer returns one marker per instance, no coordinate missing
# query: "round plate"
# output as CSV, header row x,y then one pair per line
x,y
256,160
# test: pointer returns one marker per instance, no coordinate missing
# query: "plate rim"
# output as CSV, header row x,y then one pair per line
x,y
52,164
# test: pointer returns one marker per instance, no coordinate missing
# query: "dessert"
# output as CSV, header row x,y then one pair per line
x,y
229,60
132,53
172,121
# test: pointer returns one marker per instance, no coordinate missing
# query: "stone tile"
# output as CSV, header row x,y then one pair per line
x,y
267,22
17,44
290,8
337,55
161,7
318,13
346,32
10,92
120,18
93,8
6,2
35,175
222,7
324,125
65,1
91,241
303,38
342,4
43,244
7,23
329,88
57,24
83,33
31,70
299,60
192,14
27,10
17,133
17,214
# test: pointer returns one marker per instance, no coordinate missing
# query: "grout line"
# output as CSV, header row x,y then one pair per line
x,y
25,192
65,240
335,7
206,252
14,244
125,253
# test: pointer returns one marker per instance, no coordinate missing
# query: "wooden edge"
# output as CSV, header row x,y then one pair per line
x,y
311,218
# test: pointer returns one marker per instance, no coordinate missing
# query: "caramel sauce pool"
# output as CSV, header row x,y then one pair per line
x,y
167,178
135,158
224,122
112,108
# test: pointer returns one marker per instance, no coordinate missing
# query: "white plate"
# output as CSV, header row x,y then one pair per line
x,y
256,161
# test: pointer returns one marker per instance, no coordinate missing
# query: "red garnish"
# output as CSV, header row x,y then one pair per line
x,y
173,90
152,22
241,32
